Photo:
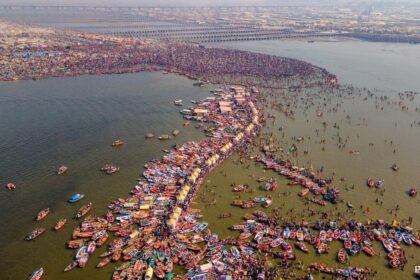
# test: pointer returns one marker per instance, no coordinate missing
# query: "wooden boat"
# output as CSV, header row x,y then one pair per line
x,y
238,188
303,192
318,201
276,242
117,143
110,169
164,137
71,265
248,204
342,255
225,215
83,210
10,186
76,243
322,248
109,217
237,202
149,136
299,235
102,239
186,123
178,102
75,197
82,261
267,203
91,247
302,246
82,251
138,265
60,224
387,244
36,274
35,233
42,214
175,132
116,255
103,262
368,250
61,170
245,235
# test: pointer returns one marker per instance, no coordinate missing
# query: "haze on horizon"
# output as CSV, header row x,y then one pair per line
x,y
203,2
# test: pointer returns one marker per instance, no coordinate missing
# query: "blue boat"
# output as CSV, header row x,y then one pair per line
x,y
36,274
75,197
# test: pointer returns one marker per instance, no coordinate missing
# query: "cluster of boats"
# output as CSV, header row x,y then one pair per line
x,y
300,176
266,233
60,223
155,229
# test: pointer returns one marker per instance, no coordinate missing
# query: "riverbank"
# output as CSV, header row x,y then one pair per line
x,y
41,53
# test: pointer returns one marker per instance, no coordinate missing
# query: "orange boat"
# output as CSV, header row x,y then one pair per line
x,y
41,215
60,224
303,192
368,250
117,143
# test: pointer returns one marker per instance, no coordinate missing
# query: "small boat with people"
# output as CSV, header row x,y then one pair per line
x,y
318,201
370,182
225,215
61,170
342,255
75,197
302,246
175,132
267,203
117,143
71,265
83,210
103,262
164,137
42,214
35,233
178,102
149,135
60,224
10,186
303,192
36,274
110,169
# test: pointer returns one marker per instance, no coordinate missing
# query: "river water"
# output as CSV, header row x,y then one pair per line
x,y
72,121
